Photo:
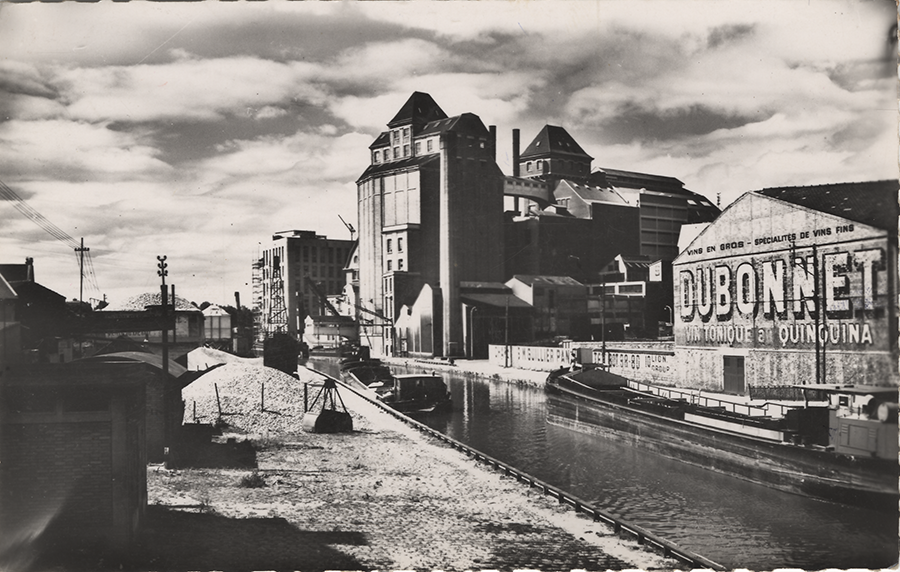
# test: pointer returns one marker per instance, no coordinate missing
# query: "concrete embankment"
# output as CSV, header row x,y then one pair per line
x,y
383,497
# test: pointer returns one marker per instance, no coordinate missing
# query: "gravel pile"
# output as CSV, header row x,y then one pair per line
x,y
254,399
141,301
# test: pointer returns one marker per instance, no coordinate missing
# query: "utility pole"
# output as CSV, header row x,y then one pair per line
x,y
506,355
163,272
164,302
81,250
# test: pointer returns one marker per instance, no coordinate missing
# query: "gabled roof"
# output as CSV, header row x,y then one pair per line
x,y
556,140
6,291
399,164
873,202
591,194
419,109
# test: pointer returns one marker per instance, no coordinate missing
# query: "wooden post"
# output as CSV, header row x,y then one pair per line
x,y
262,397
218,403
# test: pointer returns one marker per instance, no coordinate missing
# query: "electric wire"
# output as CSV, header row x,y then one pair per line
x,y
29,212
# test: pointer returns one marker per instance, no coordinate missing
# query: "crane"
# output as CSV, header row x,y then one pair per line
x,y
349,227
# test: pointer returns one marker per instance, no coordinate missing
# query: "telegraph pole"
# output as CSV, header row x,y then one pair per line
x,y
163,272
81,250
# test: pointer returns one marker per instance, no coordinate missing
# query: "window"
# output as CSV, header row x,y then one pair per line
x,y
389,246
396,152
395,136
528,166
400,264
406,150
406,133
428,145
399,245
418,147
375,156
389,265
540,165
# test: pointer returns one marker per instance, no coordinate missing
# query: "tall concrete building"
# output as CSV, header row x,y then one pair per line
x,y
430,217
292,277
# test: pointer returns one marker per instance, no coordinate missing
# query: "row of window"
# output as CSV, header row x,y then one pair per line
x,y
401,151
390,265
389,245
541,166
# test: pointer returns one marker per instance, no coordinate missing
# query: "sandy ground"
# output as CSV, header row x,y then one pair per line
x,y
382,497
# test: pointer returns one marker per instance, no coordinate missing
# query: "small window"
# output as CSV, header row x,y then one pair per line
x,y
528,166
396,152
400,264
390,246
389,265
406,133
399,245
375,156
418,147
406,150
540,166
428,145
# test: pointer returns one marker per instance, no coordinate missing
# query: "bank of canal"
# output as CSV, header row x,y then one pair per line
x,y
736,523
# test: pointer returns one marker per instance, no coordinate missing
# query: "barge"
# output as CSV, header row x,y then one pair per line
x,y
842,448
413,393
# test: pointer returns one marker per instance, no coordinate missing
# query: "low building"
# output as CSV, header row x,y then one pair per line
x,y
793,285
217,325
73,459
628,303
330,331
559,302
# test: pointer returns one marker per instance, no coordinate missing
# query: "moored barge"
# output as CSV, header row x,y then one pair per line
x,y
844,450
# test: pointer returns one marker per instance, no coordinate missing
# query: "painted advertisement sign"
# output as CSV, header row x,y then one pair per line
x,y
769,275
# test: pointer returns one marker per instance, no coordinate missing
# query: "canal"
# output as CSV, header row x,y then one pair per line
x,y
731,521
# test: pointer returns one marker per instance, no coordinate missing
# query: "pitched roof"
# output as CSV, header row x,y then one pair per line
x,y
591,194
419,109
6,291
556,140
556,280
383,140
635,180
872,202
464,122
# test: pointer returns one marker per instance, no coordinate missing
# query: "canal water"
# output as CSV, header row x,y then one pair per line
x,y
731,521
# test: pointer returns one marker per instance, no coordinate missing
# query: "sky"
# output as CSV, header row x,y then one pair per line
x,y
197,130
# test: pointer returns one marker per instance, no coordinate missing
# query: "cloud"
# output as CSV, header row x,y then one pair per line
x,y
70,150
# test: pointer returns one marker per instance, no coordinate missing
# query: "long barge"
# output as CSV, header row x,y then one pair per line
x,y
786,454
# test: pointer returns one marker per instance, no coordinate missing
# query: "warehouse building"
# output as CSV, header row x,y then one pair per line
x,y
794,285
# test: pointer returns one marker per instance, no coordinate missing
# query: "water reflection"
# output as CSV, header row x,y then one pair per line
x,y
734,522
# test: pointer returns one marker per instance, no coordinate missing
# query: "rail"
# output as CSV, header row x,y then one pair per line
x,y
643,536
705,401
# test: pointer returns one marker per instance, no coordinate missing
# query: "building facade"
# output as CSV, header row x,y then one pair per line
x,y
792,285
293,277
432,186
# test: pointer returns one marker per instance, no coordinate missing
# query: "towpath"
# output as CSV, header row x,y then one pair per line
x,y
383,497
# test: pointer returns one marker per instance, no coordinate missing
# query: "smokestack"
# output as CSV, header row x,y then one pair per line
x,y
29,269
515,156
237,300
493,142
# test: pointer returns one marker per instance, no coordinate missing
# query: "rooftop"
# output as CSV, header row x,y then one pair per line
x,y
873,203
554,139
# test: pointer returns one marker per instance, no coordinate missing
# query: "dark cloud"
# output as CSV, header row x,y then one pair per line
x,y
727,34
632,123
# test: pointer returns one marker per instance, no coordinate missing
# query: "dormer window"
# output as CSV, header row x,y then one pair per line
x,y
396,152
406,133
428,145
418,147
375,156
528,166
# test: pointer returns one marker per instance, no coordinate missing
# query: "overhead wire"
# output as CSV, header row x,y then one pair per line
x,y
36,217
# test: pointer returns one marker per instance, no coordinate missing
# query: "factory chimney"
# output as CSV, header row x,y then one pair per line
x,y
515,154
